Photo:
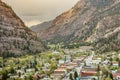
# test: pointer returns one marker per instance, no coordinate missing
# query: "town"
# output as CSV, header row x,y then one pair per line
x,y
76,64
59,39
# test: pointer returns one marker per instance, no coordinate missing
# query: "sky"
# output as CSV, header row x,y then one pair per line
x,y
34,12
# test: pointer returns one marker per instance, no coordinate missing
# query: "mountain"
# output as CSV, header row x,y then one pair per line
x,y
40,27
111,39
15,38
88,21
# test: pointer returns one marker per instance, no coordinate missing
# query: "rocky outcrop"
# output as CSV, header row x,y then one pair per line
x,y
88,21
109,37
15,38
81,20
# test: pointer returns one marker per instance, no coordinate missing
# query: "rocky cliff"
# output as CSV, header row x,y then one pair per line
x,y
87,21
15,38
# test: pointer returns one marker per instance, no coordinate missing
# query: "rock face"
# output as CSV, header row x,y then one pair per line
x,y
89,21
40,27
110,37
15,37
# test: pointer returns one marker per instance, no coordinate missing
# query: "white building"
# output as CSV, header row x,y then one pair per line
x,y
115,64
61,62
55,52
96,61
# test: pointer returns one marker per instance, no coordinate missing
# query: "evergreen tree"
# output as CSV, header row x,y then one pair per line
x,y
75,75
98,69
36,69
119,62
111,76
19,74
30,77
71,76
12,70
4,75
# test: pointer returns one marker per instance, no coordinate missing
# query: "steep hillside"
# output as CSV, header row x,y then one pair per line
x,y
15,38
87,21
41,27
110,39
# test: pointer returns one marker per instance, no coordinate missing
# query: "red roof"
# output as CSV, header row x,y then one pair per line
x,y
59,72
72,64
88,73
116,74
62,67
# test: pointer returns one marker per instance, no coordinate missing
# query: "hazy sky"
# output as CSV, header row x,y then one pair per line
x,y
33,12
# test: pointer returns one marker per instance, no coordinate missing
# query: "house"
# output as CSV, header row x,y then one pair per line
x,y
115,64
46,78
96,61
70,68
46,64
55,52
66,66
20,71
72,64
59,73
116,75
0,69
106,62
61,62
119,55
78,69
63,67
38,76
0,77
89,78
67,58
30,70
78,60
14,76
88,73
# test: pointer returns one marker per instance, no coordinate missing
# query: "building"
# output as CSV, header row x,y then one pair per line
x,y
88,73
55,52
59,73
72,64
116,75
61,62
115,64
96,61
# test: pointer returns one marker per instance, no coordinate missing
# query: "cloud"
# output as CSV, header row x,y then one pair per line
x,y
32,22
42,10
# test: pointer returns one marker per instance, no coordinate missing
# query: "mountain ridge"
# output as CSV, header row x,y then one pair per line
x,y
15,38
42,26
81,23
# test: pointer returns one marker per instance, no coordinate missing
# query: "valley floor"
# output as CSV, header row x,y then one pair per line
x,y
63,64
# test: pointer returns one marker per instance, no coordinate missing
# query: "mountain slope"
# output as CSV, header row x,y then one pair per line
x,y
41,27
111,39
87,21
15,38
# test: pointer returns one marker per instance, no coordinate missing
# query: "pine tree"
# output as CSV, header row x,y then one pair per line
x,y
4,75
75,75
111,76
30,77
71,76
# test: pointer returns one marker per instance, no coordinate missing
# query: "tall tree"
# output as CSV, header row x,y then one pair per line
x,y
111,76
71,76
75,75
4,75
